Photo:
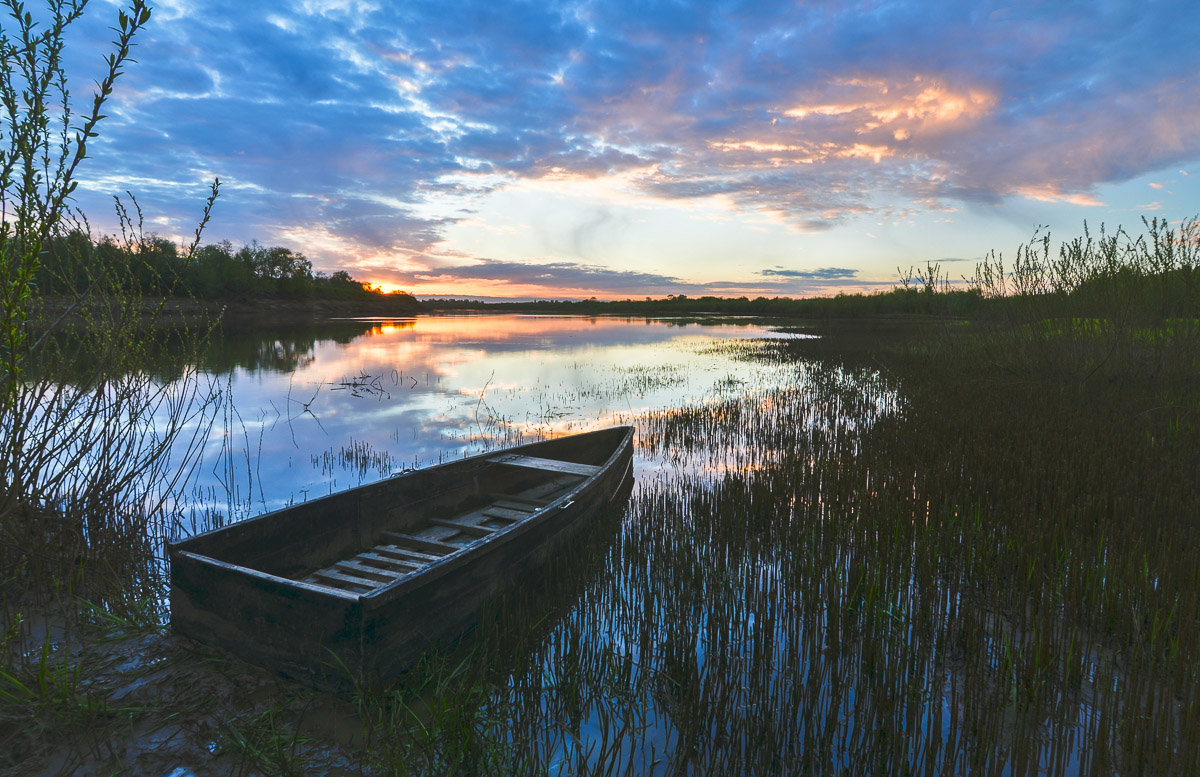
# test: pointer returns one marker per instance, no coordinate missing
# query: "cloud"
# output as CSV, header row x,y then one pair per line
x,y
497,279
353,117
823,274
549,275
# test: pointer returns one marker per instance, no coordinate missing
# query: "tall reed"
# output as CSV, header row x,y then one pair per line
x,y
979,578
1104,304
91,445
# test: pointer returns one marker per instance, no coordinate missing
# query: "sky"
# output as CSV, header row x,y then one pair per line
x,y
622,149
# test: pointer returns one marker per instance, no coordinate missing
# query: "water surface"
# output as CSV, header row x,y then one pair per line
x,y
305,413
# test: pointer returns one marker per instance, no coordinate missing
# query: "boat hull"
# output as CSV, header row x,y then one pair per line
x,y
237,588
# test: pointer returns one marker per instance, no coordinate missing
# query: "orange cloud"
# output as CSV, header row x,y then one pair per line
x,y
905,108
1049,193
892,113
862,150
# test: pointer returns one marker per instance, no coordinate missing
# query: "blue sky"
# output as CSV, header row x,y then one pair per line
x,y
628,149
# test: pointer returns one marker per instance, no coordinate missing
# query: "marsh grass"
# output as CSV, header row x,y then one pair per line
x,y
94,442
891,565
956,549
1105,306
979,578
60,704
263,740
359,458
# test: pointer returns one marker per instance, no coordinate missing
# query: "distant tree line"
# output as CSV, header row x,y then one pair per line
x,y
897,302
155,267
1130,277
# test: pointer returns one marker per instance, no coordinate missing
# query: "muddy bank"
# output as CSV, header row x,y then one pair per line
x,y
158,705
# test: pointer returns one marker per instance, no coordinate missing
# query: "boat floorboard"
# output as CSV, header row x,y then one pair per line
x,y
400,554
520,504
337,579
375,558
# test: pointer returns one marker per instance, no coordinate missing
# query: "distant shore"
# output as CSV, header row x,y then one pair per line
x,y
286,310
254,311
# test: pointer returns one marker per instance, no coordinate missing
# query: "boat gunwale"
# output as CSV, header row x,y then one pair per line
x,y
267,576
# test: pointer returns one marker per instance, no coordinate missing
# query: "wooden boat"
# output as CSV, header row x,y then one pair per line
x,y
363,582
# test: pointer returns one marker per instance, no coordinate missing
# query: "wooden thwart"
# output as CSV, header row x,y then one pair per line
x,y
424,543
465,526
549,465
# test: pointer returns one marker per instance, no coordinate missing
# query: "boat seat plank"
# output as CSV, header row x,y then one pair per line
x,y
432,531
550,465
422,543
463,525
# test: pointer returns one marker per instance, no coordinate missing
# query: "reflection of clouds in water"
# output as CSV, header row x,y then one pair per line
x,y
448,386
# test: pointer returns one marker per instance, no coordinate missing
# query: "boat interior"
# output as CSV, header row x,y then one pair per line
x,y
363,539
396,553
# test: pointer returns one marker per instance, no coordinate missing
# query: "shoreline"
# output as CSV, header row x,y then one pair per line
x,y
179,311
287,311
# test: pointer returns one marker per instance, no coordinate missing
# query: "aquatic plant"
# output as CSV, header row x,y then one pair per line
x,y
826,579
1104,304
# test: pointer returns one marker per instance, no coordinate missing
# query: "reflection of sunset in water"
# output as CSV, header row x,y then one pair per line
x,y
410,392
509,327
393,326
515,327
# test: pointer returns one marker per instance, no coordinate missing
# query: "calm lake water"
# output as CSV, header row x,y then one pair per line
x,y
307,412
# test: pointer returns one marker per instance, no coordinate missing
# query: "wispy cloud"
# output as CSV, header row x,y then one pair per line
x,y
569,279
823,274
